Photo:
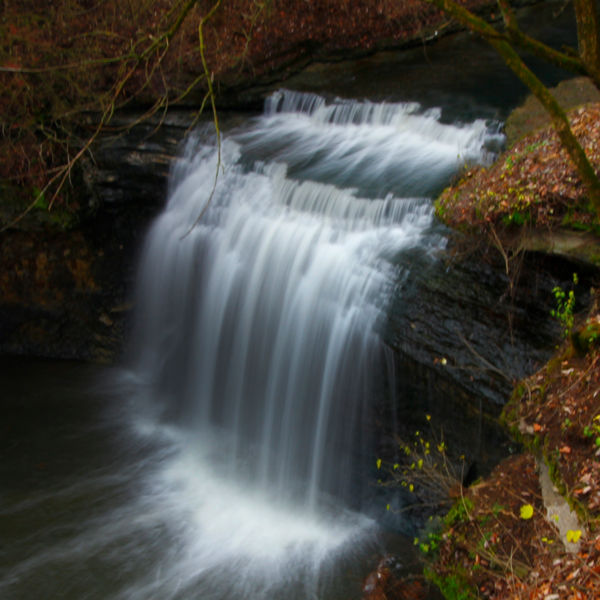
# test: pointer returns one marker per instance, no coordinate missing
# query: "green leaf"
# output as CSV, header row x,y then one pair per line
x,y
40,200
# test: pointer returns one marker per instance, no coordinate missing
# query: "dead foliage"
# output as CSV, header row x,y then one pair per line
x,y
532,184
65,68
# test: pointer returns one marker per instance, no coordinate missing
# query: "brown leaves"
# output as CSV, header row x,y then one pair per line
x,y
93,47
534,182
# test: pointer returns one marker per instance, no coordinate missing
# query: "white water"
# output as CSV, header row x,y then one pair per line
x,y
256,354
258,330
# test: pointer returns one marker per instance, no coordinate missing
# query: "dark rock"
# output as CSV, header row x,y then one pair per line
x,y
464,319
65,283
387,582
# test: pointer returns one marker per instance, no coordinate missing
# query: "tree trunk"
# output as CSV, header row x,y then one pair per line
x,y
588,35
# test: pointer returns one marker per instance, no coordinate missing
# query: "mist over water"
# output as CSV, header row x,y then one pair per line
x,y
239,466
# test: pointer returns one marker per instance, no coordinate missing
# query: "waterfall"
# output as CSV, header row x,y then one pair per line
x,y
259,306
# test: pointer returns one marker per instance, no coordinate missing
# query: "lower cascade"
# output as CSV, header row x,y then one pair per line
x,y
262,289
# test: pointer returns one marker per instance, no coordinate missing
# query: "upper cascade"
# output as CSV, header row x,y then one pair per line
x,y
374,147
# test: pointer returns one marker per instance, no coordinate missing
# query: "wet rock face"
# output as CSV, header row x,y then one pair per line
x,y
461,338
45,278
54,301
463,319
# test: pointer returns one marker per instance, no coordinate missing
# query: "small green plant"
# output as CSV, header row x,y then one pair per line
x,y
497,509
440,209
565,306
425,469
459,512
592,336
535,145
593,430
588,336
40,199
430,543
517,218
453,586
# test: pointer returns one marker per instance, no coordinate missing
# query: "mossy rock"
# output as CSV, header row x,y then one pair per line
x,y
581,246
453,586
531,114
29,210
587,338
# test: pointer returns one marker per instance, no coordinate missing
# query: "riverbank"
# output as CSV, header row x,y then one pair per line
x,y
531,198
530,529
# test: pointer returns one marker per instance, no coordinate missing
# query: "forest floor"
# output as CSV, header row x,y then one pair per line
x,y
533,185
530,530
505,539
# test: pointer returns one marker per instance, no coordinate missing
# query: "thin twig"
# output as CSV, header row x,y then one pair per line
x,y
211,96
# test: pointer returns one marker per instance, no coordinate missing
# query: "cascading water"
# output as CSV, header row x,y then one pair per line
x,y
261,295
255,356
260,318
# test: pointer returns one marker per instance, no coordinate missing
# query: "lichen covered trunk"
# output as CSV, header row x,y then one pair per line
x,y
587,15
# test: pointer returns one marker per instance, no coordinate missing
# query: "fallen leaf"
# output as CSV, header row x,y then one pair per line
x,y
526,511
573,535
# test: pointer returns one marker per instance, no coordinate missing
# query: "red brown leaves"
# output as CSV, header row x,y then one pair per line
x,y
532,183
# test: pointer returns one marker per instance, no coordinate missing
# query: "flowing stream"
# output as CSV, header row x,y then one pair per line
x,y
238,467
